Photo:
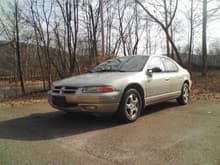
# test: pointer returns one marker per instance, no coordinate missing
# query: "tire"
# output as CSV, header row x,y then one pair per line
x,y
130,106
184,97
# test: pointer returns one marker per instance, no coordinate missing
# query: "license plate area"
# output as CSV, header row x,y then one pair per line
x,y
60,101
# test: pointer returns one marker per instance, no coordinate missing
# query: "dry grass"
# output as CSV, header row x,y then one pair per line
x,y
33,98
7,83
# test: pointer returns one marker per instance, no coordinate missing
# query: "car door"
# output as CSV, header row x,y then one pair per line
x,y
157,84
175,78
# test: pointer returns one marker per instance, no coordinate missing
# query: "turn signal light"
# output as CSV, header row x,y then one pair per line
x,y
106,89
99,89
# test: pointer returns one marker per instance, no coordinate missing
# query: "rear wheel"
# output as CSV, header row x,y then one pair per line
x,y
130,106
184,98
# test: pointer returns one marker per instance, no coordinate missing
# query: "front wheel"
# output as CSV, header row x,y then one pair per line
x,y
130,106
184,97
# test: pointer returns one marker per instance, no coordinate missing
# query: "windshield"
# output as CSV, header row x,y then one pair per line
x,y
122,64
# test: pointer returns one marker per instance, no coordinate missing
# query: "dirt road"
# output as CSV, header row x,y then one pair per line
x,y
165,134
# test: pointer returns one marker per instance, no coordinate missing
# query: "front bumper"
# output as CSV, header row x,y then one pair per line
x,y
92,103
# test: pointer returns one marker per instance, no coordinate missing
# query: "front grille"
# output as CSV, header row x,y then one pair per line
x,y
64,90
60,101
57,87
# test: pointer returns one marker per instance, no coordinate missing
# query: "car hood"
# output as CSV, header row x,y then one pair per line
x,y
91,79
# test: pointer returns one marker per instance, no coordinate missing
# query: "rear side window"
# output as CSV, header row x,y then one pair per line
x,y
170,66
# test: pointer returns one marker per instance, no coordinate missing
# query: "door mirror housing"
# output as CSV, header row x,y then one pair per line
x,y
149,72
156,70
153,70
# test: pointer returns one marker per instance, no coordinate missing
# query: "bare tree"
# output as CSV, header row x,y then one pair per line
x,y
40,20
102,26
121,13
191,34
17,40
193,17
12,32
207,15
165,26
110,18
204,38
92,17
70,12
166,15
33,22
135,48
127,27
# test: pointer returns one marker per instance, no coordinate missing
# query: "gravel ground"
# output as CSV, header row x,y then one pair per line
x,y
164,134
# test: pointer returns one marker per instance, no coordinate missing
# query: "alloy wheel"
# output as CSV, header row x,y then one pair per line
x,y
132,106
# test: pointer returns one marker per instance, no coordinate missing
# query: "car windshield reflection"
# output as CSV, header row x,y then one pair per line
x,y
122,64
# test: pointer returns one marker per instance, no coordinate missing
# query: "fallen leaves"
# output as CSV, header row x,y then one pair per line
x,y
206,88
34,98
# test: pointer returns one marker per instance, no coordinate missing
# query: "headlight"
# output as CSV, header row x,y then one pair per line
x,y
100,89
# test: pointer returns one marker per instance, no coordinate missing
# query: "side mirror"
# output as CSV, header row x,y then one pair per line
x,y
156,70
149,72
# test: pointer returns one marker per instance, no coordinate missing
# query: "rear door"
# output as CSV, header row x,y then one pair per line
x,y
174,76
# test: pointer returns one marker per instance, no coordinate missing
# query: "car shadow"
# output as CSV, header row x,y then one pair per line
x,y
159,107
58,124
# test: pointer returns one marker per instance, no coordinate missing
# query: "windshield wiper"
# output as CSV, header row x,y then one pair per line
x,y
106,70
109,70
122,71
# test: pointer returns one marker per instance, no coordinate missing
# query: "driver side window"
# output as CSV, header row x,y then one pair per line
x,y
156,64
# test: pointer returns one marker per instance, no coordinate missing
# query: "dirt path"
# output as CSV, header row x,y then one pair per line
x,y
165,134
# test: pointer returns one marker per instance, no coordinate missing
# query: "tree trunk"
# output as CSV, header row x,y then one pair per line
x,y
135,48
191,36
204,41
166,25
20,75
174,48
102,27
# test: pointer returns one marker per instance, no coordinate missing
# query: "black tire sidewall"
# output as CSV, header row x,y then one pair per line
x,y
181,99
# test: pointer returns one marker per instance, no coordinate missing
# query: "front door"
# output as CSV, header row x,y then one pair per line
x,y
158,84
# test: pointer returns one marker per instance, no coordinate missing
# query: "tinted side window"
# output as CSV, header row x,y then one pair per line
x,y
156,62
170,66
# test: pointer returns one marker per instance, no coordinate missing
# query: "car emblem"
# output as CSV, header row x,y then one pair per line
x,y
61,90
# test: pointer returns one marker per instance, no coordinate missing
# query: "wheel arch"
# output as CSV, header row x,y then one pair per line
x,y
186,81
139,88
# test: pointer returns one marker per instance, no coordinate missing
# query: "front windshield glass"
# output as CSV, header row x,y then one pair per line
x,y
122,64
